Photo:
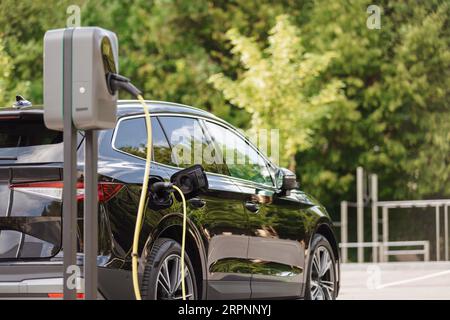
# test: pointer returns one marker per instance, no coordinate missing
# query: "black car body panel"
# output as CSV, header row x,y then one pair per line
x,y
246,239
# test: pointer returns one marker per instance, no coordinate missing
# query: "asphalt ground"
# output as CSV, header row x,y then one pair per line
x,y
395,281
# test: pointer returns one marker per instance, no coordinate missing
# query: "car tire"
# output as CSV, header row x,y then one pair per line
x,y
321,282
162,274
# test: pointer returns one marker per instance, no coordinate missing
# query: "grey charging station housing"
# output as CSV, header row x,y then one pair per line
x,y
76,62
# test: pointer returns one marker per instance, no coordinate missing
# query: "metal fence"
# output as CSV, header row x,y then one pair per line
x,y
383,249
380,243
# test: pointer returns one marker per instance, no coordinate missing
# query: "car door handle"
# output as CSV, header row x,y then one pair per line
x,y
252,206
197,203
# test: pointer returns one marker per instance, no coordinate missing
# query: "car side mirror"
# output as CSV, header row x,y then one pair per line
x,y
191,181
287,179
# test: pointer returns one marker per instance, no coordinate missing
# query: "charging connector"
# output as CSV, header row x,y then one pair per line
x,y
116,82
158,187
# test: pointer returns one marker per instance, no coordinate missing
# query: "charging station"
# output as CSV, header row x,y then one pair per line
x,y
77,65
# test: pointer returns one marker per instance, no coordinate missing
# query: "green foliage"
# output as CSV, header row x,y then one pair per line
x,y
418,101
282,87
5,73
22,28
172,47
399,78
8,89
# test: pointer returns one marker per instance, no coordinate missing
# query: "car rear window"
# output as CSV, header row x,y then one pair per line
x,y
26,133
25,139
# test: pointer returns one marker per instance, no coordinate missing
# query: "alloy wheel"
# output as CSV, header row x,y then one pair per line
x,y
322,279
169,280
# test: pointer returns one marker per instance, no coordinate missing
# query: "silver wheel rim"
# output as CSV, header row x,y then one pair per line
x,y
168,284
322,275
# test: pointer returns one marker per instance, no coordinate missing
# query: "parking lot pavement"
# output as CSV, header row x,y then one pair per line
x,y
395,280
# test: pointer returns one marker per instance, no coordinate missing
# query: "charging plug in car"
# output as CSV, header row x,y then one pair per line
x,y
187,183
160,194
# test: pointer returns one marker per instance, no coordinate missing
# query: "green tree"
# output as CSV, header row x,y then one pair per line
x,y
398,77
8,89
416,106
5,67
283,87
22,28
171,48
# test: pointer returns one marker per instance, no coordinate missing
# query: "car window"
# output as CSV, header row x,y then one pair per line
x,y
131,137
242,160
189,143
27,133
26,140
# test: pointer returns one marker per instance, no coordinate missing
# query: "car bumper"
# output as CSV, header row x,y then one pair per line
x,y
34,281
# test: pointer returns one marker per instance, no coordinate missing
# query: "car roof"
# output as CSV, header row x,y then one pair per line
x,y
131,107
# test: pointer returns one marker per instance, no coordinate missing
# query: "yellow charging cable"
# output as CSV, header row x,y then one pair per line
x,y
142,200
140,215
183,243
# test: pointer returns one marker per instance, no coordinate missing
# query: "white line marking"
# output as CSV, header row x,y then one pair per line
x,y
428,276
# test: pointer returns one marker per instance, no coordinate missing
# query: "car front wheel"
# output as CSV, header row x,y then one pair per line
x,y
162,274
321,277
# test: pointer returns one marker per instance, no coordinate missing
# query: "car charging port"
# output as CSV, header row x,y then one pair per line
x,y
191,181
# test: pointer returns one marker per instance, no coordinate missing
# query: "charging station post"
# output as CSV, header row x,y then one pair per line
x,y
90,215
69,213
77,63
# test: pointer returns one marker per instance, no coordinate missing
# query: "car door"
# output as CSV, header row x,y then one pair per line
x,y
276,243
218,213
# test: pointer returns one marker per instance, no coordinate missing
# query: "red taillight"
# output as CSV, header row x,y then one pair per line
x,y
58,295
107,190
9,117
54,190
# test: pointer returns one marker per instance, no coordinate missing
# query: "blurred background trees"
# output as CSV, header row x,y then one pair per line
x,y
341,94
283,87
5,73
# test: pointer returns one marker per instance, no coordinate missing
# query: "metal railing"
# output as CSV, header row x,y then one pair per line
x,y
370,199
384,252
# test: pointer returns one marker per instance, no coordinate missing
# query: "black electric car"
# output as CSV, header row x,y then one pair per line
x,y
252,235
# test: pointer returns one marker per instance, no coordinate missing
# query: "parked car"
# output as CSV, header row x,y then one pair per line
x,y
254,234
